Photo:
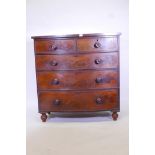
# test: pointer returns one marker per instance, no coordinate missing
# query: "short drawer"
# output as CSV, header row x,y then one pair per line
x,y
78,101
81,61
77,80
55,46
97,44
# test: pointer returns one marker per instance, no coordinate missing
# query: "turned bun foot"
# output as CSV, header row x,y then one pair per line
x,y
114,116
43,117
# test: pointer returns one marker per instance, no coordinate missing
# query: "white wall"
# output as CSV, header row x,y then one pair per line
x,y
47,17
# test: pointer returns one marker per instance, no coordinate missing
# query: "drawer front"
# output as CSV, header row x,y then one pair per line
x,y
78,101
55,46
97,44
77,79
71,62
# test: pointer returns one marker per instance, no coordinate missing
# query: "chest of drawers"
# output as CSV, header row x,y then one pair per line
x,y
77,73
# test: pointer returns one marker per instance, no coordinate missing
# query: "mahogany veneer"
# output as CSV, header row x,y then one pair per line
x,y
77,73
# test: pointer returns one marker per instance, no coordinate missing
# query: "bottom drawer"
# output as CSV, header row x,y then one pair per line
x,y
60,101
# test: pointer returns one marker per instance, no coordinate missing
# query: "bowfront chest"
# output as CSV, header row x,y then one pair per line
x,y
77,73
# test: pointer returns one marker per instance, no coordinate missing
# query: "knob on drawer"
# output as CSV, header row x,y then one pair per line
x,y
53,47
99,100
97,44
99,80
53,63
56,102
102,80
98,61
55,82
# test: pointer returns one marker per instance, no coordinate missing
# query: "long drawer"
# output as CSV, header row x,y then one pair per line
x,y
74,61
77,79
78,101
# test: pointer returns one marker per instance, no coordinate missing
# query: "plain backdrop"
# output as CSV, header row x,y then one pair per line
x,y
48,17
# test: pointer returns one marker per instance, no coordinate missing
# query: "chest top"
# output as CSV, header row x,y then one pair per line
x,y
63,44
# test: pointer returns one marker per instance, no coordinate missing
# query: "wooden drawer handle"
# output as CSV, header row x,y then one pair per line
x,y
53,47
99,100
97,44
98,61
102,80
55,82
53,63
56,102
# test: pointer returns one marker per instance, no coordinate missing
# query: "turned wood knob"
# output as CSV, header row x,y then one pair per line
x,y
53,47
98,61
99,100
55,82
56,102
53,63
97,44
102,80
99,80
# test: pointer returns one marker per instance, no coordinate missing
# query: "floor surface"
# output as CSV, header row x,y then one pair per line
x,y
80,134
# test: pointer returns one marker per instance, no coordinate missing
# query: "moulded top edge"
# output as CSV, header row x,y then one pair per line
x,y
77,35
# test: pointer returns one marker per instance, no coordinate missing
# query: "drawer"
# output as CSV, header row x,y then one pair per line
x,y
77,79
81,61
78,101
97,44
55,46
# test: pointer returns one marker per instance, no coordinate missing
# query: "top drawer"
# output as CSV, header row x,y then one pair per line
x,y
106,44
53,46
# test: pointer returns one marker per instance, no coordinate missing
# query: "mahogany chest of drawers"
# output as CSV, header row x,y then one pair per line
x,y
77,73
